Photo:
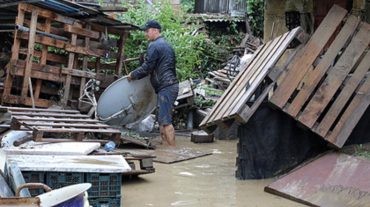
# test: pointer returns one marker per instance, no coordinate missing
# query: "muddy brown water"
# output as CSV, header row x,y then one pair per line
x,y
207,181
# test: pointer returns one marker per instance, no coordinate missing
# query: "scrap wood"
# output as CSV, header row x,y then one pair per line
x,y
326,88
233,103
333,179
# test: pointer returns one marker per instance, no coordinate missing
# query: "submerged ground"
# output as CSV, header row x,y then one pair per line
x,y
202,182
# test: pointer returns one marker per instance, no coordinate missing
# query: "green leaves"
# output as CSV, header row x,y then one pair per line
x,y
255,16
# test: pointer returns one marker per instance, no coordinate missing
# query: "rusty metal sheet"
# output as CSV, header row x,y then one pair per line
x,y
333,180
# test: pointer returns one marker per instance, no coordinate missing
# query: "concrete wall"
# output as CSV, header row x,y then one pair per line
x,y
274,14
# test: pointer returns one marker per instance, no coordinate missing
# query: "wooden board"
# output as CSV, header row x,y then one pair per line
x,y
232,103
96,164
327,91
332,180
64,148
312,49
171,155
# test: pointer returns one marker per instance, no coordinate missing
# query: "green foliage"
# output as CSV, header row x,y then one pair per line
x,y
361,151
255,16
186,46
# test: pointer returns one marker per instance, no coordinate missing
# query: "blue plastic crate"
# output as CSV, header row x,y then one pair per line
x,y
105,202
104,184
34,177
60,179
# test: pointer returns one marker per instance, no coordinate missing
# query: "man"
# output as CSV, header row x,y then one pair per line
x,y
160,64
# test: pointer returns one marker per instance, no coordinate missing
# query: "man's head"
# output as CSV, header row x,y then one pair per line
x,y
152,29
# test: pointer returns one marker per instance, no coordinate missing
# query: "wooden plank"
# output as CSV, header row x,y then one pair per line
x,y
84,68
247,112
50,56
81,31
61,163
313,77
47,14
63,45
331,180
344,96
12,109
67,84
75,130
43,59
303,63
336,76
15,55
69,120
229,91
121,51
42,113
351,115
237,105
13,99
57,125
47,72
245,83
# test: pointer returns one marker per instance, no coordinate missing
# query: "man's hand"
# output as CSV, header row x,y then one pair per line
x,y
129,77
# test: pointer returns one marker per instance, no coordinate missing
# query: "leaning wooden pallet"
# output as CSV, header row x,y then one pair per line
x,y
327,89
233,103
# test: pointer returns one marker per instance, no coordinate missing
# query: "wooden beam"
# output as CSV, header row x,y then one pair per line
x,y
120,58
47,14
50,56
29,59
64,45
81,31
43,60
13,99
67,84
15,54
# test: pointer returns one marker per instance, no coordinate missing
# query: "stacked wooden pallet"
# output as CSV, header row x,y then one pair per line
x,y
260,70
327,88
63,125
53,53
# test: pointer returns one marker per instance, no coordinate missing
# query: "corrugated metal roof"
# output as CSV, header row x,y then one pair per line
x,y
218,18
70,9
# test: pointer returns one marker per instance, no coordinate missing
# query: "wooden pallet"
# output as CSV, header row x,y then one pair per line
x,y
260,70
59,122
327,88
50,48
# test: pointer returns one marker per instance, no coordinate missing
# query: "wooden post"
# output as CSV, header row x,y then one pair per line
x,y
31,47
67,83
43,59
84,66
15,54
120,57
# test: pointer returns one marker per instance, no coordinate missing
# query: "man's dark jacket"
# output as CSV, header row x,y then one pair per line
x,y
160,63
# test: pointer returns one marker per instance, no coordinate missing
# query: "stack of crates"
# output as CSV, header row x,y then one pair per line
x,y
105,190
34,177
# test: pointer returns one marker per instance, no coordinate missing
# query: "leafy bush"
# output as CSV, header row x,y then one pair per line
x,y
255,16
188,48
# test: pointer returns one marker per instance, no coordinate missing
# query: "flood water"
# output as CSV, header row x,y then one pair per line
x,y
207,181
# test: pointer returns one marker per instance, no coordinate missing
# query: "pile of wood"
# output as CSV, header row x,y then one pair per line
x,y
56,54
324,84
